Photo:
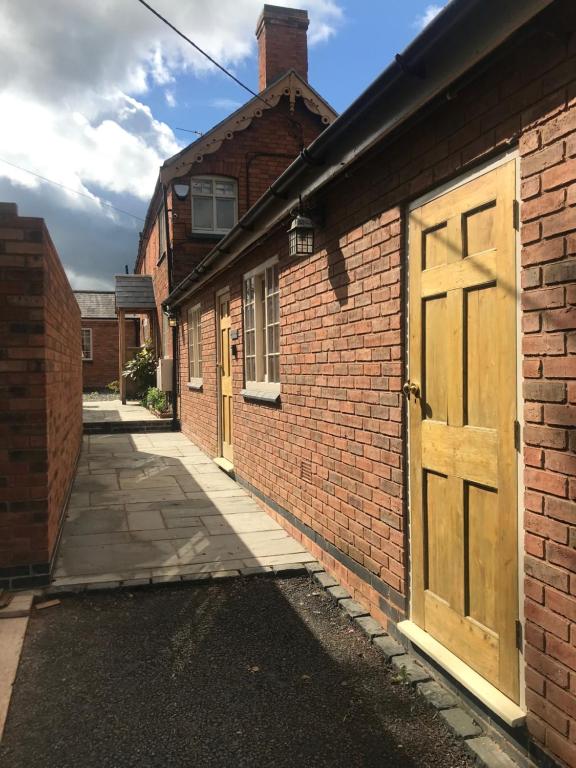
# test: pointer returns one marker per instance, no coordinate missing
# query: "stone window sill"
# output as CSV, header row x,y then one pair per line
x,y
264,394
195,384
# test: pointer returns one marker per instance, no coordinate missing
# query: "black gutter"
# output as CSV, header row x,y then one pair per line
x,y
463,34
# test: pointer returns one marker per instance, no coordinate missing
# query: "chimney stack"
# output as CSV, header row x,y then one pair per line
x,y
282,43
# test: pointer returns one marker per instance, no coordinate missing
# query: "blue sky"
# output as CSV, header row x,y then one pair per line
x,y
96,91
363,43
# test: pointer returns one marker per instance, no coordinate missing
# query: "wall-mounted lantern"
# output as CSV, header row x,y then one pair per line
x,y
301,236
172,317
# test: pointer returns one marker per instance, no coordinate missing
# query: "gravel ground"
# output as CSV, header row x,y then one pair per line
x,y
259,673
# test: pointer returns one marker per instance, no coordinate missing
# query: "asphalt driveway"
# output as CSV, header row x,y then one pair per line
x,y
255,673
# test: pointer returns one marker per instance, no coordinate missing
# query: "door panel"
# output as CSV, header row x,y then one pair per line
x,y
462,357
225,368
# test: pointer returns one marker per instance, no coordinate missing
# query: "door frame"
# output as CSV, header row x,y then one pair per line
x,y
219,437
459,181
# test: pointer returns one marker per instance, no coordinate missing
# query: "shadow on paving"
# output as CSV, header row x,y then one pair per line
x,y
155,506
257,673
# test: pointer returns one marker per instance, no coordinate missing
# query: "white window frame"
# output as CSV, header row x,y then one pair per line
x,y
212,230
194,321
162,242
89,332
261,325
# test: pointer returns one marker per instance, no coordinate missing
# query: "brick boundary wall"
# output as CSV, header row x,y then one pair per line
x,y
332,454
103,368
41,386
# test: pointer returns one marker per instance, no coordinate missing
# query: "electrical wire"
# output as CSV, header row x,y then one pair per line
x,y
94,198
197,47
188,130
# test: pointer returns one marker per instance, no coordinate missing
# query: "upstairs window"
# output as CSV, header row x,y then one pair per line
x,y
262,325
194,343
214,204
86,343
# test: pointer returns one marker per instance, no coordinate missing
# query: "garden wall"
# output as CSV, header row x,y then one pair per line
x,y
41,390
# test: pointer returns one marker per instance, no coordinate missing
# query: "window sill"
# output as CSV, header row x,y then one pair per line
x,y
209,237
195,384
265,394
87,359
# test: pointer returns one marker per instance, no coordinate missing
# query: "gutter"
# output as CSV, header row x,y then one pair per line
x,y
461,36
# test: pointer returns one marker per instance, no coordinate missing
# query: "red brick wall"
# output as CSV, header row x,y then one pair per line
x,y
41,388
282,44
332,453
103,368
548,166
253,157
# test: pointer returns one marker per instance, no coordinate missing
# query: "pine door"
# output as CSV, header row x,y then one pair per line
x,y
225,368
462,411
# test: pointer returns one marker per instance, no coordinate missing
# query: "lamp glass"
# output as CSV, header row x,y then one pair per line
x,y
301,237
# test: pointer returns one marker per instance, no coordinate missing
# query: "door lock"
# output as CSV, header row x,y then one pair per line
x,y
409,388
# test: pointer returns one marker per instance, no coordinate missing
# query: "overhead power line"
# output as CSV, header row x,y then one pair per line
x,y
197,47
74,191
188,130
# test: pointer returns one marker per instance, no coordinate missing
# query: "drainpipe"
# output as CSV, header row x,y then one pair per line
x,y
170,263
175,376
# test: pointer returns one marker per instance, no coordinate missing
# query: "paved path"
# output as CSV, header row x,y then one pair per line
x,y
154,507
114,411
248,673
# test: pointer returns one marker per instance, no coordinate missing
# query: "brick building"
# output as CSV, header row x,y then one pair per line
x,y
100,339
400,395
203,190
41,385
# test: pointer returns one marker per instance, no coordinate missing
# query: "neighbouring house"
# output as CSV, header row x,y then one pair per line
x,y
41,385
394,380
204,190
100,338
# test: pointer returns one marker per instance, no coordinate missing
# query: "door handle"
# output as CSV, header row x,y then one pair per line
x,y
409,388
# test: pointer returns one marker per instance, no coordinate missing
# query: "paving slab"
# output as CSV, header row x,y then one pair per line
x,y
352,608
437,695
114,411
144,504
461,723
19,607
12,633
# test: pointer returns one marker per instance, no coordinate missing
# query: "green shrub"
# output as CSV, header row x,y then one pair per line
x,y
141,370
156,400
113,387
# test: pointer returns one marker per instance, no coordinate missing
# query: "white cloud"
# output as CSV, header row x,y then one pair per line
x,y
88,282
430,12
228,104
75,78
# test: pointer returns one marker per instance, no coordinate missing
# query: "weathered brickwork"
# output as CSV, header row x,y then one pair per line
x,y
103,368
332,454
41,387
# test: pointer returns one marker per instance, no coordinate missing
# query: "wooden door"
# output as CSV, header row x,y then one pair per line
x,y
462,411
225,368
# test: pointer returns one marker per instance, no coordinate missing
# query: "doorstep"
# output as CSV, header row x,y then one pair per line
x,y
225,465
506,709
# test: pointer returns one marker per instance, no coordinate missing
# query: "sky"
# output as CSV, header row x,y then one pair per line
x,y
93,94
